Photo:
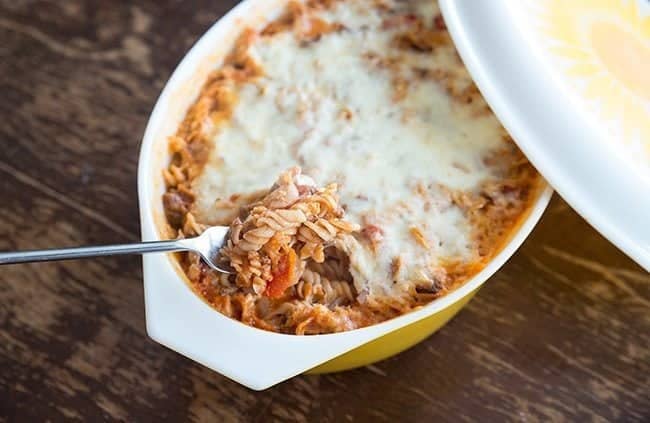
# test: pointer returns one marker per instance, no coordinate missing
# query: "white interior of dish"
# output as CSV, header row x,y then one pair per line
x,y
178,318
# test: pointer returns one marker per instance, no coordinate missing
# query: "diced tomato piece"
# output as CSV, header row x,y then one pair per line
x,y
373,232
399,21
439,23
284,275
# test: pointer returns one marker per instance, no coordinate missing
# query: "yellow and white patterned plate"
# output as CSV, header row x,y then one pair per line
x,y
570,80
602,48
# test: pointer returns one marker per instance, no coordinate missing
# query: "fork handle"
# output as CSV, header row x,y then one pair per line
x,y
95,251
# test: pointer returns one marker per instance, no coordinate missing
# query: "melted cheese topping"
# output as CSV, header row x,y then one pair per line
x,y
333,107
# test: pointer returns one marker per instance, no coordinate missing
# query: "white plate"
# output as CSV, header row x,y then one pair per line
x,y
570,81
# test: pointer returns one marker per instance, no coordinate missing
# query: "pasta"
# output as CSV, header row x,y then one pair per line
x,y
281,233
413,184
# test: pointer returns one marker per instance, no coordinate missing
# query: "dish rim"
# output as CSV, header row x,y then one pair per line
x,y
167,288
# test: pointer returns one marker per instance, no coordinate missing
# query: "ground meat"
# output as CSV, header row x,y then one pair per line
x,y
177,204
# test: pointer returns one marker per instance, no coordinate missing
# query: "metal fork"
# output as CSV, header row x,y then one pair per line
x,y
207,245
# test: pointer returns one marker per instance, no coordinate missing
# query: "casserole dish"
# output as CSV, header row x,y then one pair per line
x,y
179,319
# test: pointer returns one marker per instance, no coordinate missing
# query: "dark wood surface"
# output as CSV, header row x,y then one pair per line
x,y
562,332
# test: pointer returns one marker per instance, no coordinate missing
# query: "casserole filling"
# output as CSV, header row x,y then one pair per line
x,y
421,184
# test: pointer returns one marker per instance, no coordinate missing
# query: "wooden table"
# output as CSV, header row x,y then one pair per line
x,y
562,332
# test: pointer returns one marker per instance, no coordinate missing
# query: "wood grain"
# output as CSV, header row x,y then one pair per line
x,y
561,333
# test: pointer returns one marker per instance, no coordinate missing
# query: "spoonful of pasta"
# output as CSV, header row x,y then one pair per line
x,y
267,246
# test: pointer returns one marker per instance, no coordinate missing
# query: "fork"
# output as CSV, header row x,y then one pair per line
x,y
207,245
